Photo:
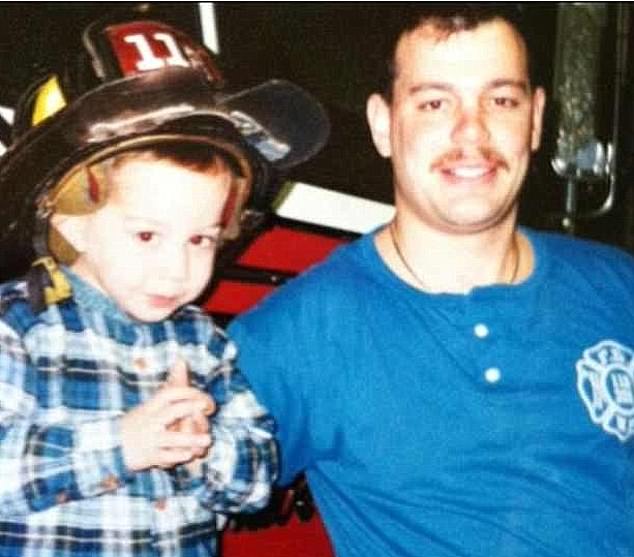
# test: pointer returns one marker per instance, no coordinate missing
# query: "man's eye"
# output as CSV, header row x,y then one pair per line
x,y
145,236
506,102
434,104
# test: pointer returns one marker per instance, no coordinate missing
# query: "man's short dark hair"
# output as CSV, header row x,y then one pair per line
x,y
449,18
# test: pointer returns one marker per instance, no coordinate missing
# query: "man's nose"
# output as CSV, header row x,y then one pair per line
x,y
471,126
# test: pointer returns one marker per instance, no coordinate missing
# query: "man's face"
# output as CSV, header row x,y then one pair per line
x,y
461,126
151,247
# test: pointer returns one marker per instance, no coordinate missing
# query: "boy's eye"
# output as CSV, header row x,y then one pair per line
x,y
202,240
145,236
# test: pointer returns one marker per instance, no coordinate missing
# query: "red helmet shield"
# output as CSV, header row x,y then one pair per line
x,y
143,46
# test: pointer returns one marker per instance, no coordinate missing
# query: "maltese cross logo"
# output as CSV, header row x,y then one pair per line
x,y
605,380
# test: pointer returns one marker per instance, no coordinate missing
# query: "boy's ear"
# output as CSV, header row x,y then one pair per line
x,y
72,228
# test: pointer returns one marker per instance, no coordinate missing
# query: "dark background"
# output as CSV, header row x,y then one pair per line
x,y
333,50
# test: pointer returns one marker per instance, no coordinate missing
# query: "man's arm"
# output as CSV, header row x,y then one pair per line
x,y
276,375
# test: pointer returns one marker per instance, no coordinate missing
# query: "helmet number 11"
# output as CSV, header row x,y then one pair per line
x,y
148,59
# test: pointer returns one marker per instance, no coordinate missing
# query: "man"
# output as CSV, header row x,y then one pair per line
x,y
452,384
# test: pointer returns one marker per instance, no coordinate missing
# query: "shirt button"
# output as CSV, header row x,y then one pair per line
x,y
61,497
110,483
139,363
160,504
492,375
481,330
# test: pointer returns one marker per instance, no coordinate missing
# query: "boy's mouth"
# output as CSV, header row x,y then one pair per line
x,y
159,301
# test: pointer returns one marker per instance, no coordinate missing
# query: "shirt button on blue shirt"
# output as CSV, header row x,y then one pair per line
x,y
481,330
492,375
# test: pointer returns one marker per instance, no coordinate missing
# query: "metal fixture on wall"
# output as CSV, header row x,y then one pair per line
x,y
585,157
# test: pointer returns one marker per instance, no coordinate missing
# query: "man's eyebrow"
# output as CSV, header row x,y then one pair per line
x,y
429,85
516,83
423,86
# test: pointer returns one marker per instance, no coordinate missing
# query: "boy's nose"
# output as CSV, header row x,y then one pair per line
x,y
175,264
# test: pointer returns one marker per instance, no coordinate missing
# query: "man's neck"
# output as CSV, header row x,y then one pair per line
x,y
436,261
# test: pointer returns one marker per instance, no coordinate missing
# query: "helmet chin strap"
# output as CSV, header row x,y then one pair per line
x,y
46,283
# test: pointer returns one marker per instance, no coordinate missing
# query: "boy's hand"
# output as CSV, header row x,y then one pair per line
x,y
147,439
197,422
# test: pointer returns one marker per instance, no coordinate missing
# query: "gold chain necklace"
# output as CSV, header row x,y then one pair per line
x,y
421,282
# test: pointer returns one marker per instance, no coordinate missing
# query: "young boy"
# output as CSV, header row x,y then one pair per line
x,y
124,428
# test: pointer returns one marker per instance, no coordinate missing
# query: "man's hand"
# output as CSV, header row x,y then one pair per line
x,y
169,429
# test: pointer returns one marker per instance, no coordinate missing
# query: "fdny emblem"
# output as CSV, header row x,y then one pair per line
x,y
605,380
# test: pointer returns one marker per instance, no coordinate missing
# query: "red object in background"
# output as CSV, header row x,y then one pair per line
x,y
289,251
294,539
283,249
231,297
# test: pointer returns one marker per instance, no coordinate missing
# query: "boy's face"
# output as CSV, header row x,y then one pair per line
x,y
151,247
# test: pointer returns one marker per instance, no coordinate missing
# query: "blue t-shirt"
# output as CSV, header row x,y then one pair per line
x,y
494,424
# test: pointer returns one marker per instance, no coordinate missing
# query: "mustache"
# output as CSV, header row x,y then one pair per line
x,y
488,155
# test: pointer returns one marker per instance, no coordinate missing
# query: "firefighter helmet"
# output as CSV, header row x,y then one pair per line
x,y
139,82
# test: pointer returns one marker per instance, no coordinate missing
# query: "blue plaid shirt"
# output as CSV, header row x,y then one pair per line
x,y
67,375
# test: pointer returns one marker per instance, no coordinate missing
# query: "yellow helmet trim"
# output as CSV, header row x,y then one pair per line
x,y
59,288
49,100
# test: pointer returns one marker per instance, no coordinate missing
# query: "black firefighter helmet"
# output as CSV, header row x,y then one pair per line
x,y
138,82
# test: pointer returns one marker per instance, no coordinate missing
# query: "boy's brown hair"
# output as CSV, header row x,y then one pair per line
x,y
87,188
